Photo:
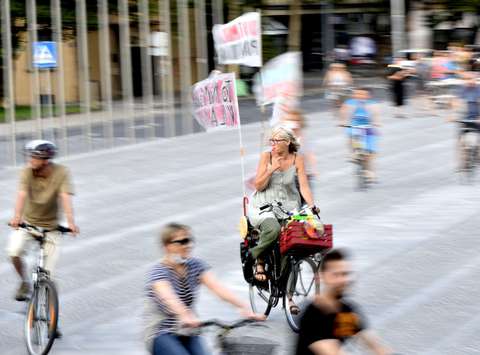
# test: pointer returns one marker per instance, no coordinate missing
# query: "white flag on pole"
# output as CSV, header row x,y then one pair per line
x,y
240,41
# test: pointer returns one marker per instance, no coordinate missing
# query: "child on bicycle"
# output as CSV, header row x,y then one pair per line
x,y
360,110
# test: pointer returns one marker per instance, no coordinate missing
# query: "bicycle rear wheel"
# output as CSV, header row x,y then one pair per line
x,y
302,285
42,318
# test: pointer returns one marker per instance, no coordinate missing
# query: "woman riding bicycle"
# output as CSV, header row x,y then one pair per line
x,y
171,291
276,180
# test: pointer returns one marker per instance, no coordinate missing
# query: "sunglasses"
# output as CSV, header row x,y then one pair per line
x,y
276,141
184,241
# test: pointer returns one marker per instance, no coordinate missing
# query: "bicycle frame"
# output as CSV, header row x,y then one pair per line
x,y
359,139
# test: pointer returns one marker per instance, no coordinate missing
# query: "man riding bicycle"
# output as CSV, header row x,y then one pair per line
x,y
470,95
42,184
360,111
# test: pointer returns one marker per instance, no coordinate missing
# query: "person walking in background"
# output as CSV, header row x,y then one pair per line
x,y
171,294
295,121
331,319
337,83
397,78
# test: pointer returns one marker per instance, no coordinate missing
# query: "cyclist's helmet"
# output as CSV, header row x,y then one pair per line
x,y
40,149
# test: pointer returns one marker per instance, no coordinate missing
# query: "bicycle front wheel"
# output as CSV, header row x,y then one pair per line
x,y
42,318
302,285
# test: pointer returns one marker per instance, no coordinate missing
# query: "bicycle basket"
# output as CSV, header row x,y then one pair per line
x,y
248,345
294,239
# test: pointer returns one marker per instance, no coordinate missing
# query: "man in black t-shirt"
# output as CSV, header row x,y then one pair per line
x,y
330,320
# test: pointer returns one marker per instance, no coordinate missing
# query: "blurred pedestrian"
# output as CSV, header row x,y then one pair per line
x,y
43,184
171,293
468,101
294,120
336,83
332,319
397,78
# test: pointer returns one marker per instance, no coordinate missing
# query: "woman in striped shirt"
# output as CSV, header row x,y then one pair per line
x,y
171,291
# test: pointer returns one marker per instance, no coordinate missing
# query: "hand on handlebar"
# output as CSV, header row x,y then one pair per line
x,y
15,222
246,312
188,320
315,209
75,230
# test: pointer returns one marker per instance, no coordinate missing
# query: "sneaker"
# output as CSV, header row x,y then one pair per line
x,y
23,292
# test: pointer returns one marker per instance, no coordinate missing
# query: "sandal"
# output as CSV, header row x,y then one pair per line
x,y
294,309
260,275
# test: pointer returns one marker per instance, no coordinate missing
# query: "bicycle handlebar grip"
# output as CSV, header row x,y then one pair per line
x,y
63,229
264,207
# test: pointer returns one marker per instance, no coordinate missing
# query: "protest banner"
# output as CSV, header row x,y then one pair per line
x,y
240,41
281,77
215,103
215,106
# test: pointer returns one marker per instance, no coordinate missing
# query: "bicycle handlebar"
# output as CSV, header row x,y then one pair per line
x,y
27,226
357,126
227,326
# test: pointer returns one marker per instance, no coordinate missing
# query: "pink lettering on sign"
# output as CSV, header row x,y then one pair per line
x,y
238,31
215,102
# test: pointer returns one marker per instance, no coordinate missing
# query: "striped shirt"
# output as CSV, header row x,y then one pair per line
x,y
159,319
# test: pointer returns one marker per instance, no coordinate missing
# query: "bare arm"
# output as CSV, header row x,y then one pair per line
x,y
373,343
209,280
19,205
326,347
263,173
66,199
165,293
303,181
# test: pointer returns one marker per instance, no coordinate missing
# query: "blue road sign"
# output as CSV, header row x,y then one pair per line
x,y
44,54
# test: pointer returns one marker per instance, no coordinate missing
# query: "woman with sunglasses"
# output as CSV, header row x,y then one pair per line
x,y
171,292
276,180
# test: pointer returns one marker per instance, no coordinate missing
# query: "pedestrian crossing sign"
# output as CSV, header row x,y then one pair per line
x,y
44,54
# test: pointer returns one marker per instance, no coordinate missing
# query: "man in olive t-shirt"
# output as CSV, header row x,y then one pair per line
x,y
42,185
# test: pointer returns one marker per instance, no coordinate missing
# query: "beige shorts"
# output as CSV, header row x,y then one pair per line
x,y
19,238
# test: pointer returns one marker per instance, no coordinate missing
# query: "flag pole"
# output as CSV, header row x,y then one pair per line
x,y
240,138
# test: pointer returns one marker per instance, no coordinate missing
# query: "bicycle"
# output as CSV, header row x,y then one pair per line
x,y
360,154
244,345
295,279
42,311
469,132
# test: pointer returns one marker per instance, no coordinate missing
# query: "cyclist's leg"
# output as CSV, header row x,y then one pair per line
x,y
372,149
194,345
15,249
168,344
269,230
51,250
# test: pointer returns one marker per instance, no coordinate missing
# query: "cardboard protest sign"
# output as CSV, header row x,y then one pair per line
x,y
280,78
240,41
215,102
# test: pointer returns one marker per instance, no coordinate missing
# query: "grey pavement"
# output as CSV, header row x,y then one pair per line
x,y
413,237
